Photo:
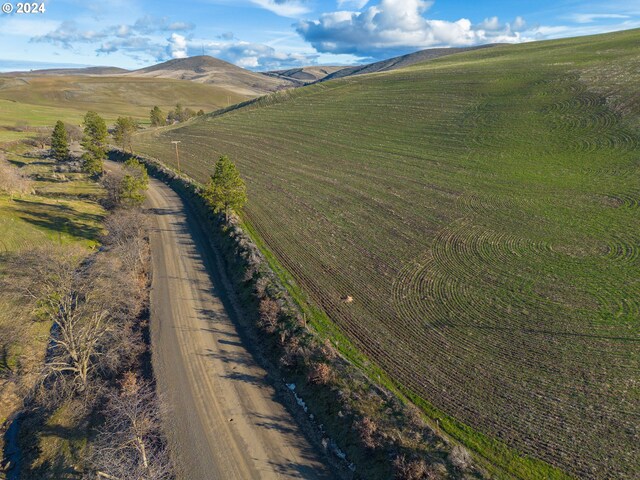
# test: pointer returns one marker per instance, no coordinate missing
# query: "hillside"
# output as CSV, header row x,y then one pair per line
x,y
72,71
482,213
400,62
212,71
39,100
305,75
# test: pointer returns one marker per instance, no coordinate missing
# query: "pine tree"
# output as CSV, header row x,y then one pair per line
x,y
157,117
94,143
134,183
123,132
60,142
226,191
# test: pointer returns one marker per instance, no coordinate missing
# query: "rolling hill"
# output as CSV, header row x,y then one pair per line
x,y
212,71
305,75
481,210
399,62
72,71
39,100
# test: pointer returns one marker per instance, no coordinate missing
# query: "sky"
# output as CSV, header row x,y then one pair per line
x,y
278,34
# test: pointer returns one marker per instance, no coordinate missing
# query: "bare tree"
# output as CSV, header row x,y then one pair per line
x,y
127,237
76,343
130,445
74,131
65,294
112,183
41,276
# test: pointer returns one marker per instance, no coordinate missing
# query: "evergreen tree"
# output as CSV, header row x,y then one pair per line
x,y
226,191
134,183
123,132
157,117
94,142
60,142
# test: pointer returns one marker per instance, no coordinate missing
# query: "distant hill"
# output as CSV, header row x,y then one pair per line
x,y
41,99
305,75
209,70
73,71
399,62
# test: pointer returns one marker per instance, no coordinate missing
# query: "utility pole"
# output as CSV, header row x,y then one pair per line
x,y
176,142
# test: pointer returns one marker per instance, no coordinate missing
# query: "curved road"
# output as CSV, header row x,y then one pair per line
x,y
224,420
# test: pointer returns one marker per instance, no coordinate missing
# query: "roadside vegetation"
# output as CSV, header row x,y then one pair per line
x,y
469,224
74,359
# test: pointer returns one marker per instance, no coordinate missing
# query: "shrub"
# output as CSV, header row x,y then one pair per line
x,y
367,430
269,313
411,469
460,458
319,374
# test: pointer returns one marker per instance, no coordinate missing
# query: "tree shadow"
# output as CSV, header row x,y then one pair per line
x,y
59,218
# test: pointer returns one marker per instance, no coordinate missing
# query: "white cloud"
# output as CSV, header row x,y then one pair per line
x,y
177,47
518,24
248,62
149,24
68,33
255,55
394,26
592,17
357,4
490,24
284,8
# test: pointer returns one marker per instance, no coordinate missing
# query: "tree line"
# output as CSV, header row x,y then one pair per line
x,y
225,191
177,115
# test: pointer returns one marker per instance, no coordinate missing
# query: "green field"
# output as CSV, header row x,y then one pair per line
x,y
39,101
62,210
482,211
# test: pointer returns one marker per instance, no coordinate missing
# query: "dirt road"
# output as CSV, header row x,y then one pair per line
x,y
225,422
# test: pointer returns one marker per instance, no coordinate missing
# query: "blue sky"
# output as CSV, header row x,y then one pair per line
x,y
272,34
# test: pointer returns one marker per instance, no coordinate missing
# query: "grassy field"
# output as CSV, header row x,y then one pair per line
x,y
63,210
482,212
39,101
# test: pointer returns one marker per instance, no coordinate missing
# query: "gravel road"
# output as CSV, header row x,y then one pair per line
x,y
224,420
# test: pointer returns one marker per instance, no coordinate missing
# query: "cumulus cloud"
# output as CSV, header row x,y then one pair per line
x,y
397,26
284,8
140,40
67,34
135,47
257,56
177,47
